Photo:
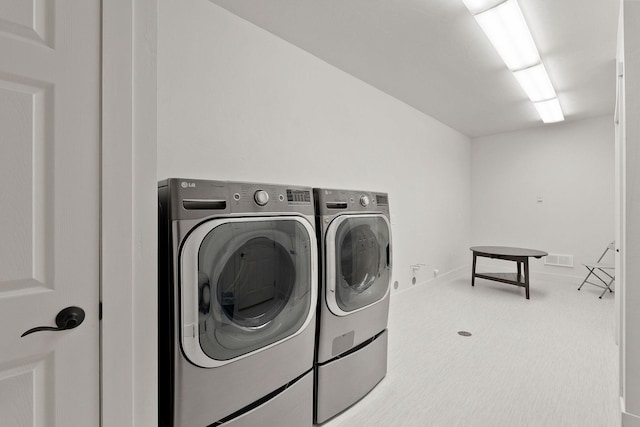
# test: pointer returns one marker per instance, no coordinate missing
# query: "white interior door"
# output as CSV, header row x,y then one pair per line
x,y
49,210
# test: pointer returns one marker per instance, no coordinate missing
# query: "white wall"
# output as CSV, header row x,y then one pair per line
x,y
237,103
571,167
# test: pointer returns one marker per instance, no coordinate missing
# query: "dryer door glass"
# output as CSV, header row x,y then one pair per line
x,y
254,285
362,261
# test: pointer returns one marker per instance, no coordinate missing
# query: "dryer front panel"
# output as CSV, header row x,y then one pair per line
x,y
358,262
245,285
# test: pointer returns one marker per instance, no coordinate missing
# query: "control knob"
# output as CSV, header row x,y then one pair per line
x,y
261,197
364,200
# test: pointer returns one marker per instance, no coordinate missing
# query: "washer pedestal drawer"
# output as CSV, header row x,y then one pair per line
x,y
291,408
344,381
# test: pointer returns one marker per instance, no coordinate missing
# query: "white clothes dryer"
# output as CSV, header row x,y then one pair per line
x,y
355,249
236,304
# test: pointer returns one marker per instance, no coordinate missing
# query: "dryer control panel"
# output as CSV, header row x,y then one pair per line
x,y
201,198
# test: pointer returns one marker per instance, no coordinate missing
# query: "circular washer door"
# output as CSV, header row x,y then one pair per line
x,y
358,262
246,284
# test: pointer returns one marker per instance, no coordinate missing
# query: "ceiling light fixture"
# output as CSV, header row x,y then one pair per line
x,y
506,28
508,32
549,110
535,82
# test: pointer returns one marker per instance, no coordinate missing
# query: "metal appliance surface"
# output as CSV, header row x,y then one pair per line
x,y
236,303
354,237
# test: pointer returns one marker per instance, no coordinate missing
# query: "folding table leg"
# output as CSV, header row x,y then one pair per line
x,y
526,276
473,270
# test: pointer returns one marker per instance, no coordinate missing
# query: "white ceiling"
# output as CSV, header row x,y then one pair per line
x,y
432,55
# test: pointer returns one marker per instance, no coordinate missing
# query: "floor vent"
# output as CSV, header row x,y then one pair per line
x,y
559,260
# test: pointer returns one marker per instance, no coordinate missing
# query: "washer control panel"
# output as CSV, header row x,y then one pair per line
x,y
332,202
261,197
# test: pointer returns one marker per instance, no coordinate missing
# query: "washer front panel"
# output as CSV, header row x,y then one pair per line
x,y
358,262
246,284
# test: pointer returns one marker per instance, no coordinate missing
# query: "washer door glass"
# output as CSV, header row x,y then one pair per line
x,y
255,280
362,261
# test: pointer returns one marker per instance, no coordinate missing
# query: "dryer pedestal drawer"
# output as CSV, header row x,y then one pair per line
x,y
344,381
291,408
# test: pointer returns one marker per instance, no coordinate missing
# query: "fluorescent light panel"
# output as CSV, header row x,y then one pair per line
x,y
549,111
477,6
506,28
508,32
535,83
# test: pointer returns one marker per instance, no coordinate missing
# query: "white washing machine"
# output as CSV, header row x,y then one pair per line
x,y
353,308
237,299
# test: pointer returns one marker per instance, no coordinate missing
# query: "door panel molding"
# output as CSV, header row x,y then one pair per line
x,y
49,210
129,214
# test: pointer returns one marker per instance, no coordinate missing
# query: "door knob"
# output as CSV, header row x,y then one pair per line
x,y
68,318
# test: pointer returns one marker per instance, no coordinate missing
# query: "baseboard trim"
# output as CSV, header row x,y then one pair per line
x,y
448,276
627,419
630,420
444,277
567,279
456,273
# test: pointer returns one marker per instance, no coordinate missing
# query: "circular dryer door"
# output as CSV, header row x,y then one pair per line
x,y
358,262
246,284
